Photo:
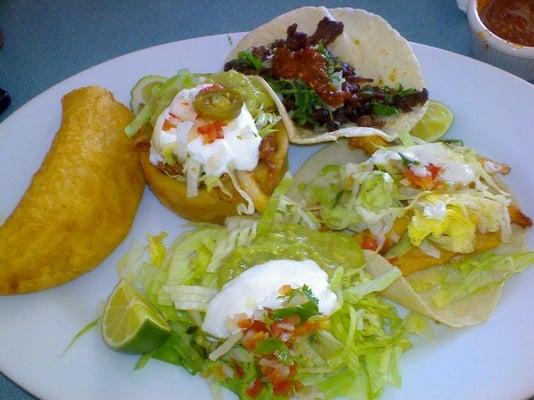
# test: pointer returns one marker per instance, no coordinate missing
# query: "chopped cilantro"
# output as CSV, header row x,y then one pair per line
x,y
401,92
384,110
252,59
308,308
304,99
275,346
304,291
304,311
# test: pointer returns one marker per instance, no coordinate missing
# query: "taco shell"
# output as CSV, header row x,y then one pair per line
x,y
369,44
81,202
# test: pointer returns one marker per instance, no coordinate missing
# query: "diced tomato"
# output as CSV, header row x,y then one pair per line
x,y
433,169
238,369
252,338
276,374
292,320
424,182
282,388
252,324
306,328
369,242
212,131
244,323
277,330
254,389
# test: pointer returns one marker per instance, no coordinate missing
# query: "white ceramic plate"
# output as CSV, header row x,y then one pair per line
x,y
493,112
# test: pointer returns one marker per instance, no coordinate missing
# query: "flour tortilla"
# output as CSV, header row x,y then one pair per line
x,y
467,311
338,153
369,44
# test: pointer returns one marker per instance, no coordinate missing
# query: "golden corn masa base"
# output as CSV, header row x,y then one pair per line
x,y
80,203
214,206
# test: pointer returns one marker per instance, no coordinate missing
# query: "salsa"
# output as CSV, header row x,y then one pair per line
x,y
512,20
309,66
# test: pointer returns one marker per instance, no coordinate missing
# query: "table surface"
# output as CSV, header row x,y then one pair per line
x,y
45,42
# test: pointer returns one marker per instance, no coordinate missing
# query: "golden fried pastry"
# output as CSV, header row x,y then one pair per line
x,y
215,205
81,202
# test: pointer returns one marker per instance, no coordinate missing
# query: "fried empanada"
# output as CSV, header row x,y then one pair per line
x,y
81,202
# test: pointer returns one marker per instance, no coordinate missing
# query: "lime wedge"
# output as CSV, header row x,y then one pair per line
x,y
142,91
130,323
435,123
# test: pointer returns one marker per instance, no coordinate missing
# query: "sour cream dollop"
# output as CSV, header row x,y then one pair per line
x,y
176,133
259,286
453,167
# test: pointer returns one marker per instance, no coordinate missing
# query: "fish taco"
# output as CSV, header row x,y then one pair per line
x,y
436,212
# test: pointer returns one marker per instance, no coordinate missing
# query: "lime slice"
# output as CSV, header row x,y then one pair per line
x,y
130,323
142,91
435,123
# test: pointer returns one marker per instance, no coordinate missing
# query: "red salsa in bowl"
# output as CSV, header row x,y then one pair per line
x,y
511,20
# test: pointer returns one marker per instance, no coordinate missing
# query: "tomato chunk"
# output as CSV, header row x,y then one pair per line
x,y
369,242
254,389
212,131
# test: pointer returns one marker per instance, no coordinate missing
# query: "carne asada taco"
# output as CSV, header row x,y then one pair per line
x,y
215,143
435,211
338,72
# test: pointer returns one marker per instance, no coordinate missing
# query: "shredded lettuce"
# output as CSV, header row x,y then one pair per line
x,y
418,325
355,352
241,231
156,248
161,98
377,191
462,278
363,288
189,297
372,195
266,122
464,213
455,232
400,248
354,198
406,139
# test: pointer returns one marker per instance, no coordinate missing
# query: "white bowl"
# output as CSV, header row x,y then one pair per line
x,y
494,50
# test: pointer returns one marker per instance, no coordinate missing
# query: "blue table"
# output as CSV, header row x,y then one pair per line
x,y
46,42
